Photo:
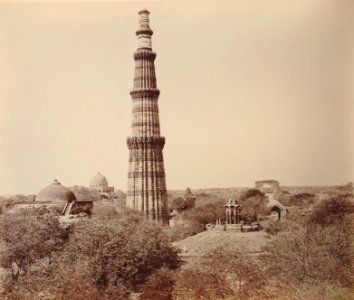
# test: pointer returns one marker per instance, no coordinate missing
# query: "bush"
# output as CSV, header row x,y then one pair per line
x,y
317,252
332,211
159,285
180,204
193,221
273,227
104,258
302,199
253,204
223,274
26,238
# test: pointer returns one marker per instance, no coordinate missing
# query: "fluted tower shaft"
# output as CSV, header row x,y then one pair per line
x,y
146,177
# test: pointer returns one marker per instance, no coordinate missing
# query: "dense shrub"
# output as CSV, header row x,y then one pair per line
x,y
159,285
115,253
302,199
332,210
222,274
253,203
103,258
273,227
180,204
9,202
251,193
319,252
193,221
27,237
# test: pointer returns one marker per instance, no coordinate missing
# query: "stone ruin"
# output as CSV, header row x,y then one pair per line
x,y
233,221
272,191
189,198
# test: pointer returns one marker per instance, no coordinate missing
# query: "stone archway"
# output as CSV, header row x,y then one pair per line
x,y
275,212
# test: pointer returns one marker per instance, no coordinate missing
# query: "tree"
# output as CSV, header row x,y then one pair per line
x,y
183,203
179,204
104,258
26,238
253,203
6,203
223,274
302,199
159,285
27,242
332,210
318,253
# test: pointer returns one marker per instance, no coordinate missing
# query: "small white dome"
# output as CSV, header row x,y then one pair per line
x,y
98,181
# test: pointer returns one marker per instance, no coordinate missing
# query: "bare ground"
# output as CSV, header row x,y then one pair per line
x,y
209,241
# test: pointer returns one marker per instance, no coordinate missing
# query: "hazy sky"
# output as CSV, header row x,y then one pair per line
x,y
250,90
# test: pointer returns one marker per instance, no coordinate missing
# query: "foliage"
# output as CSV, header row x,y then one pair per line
x,y
208,213
319,252
310,257
159,285
8,202
115,253
26,238
251,193
204,198
104,258
106,210
193,221
199,284
253,204
183,228
332,210
222,274
302,199
180,204
273,227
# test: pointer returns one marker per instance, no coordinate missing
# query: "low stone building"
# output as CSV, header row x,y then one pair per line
x,y
78,207
58,195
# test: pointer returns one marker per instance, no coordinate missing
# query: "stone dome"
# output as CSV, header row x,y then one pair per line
x,y
98,181
56,193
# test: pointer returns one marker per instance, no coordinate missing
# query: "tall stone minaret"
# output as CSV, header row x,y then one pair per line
x,y
146,177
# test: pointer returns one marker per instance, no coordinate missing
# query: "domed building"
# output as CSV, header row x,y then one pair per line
x,y
99,183
60,196
55,193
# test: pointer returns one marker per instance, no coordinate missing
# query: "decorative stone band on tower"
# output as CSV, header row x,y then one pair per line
x,y
146,177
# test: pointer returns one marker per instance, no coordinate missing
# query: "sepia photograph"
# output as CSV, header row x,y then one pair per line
x,y
177,150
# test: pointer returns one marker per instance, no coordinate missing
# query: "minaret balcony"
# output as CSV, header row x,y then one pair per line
x,y
150,93
146,142
144,54
147,31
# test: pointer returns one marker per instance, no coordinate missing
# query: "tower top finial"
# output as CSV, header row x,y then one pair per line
x,y
144,31
144,11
